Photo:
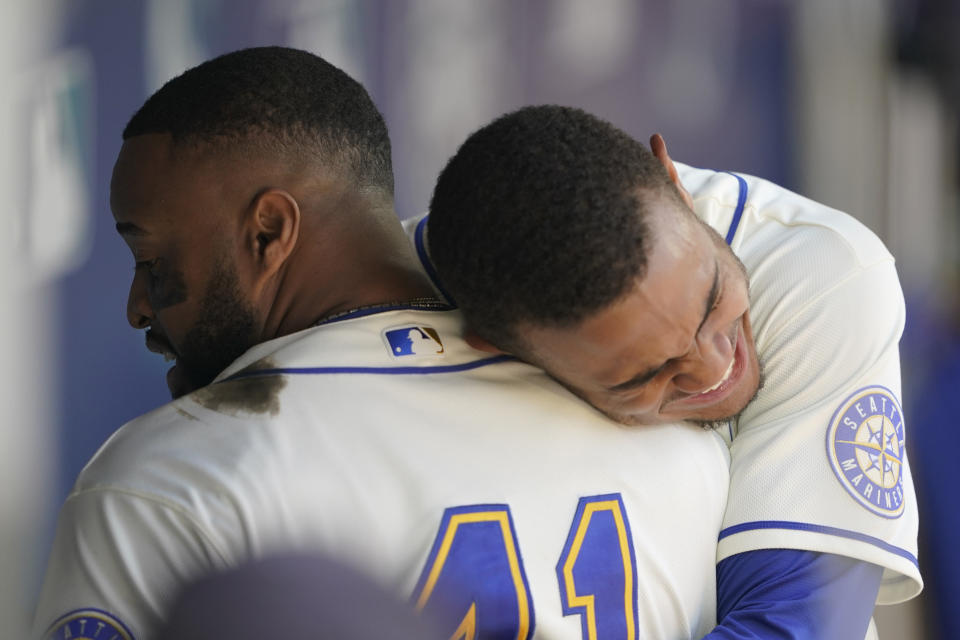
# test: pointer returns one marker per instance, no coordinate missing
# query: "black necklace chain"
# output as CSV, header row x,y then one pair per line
x,y
425,303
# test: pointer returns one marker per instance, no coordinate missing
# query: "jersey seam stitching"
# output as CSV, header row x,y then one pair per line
x,y
773,334
753,208
163,502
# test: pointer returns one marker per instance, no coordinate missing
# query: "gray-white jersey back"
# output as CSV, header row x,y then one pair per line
x,y
449,475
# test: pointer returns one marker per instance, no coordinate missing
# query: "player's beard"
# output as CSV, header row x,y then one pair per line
x,y
225,329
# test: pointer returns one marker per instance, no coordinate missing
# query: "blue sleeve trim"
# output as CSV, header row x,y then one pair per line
x,y
425,259
738,212
449,368
816,528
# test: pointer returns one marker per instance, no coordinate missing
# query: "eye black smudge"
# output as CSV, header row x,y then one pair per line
x,y
168,288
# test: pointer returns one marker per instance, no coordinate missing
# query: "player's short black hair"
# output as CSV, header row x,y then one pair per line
x,y
539,219
286,100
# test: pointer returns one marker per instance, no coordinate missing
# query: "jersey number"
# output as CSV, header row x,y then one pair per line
x,y
475,572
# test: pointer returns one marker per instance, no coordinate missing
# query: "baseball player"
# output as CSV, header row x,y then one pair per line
x,y
659,292
325,401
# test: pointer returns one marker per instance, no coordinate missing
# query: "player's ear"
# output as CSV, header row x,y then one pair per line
x,y
480,344
273,226
659,149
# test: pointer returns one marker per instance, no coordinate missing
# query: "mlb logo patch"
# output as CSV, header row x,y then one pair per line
x,y
413,340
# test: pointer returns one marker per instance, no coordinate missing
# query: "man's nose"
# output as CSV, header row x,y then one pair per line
x,y
139,311
707,365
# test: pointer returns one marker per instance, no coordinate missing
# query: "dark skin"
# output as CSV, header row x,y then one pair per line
x,y
293,241
678,345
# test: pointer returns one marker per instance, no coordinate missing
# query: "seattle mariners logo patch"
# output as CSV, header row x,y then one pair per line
x,y
412,340
88,624
865,447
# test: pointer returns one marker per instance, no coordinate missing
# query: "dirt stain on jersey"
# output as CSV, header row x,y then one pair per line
x,y
253,394
186,414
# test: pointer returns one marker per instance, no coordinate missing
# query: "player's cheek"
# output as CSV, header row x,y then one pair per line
x,y
739,300
637,403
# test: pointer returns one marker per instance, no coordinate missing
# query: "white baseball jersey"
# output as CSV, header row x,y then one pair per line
x,y
459,480
817,459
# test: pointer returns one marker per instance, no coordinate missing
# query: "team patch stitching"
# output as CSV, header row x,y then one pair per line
x,y
865,445
412,340
88,624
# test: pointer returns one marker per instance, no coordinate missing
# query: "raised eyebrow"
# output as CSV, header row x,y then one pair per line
x,y
712,295
130,229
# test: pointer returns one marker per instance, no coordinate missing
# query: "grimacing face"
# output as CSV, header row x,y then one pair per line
x,y
678,346
172,210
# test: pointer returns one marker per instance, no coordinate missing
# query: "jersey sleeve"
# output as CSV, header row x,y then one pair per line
x,y
819,459
783,593
118,559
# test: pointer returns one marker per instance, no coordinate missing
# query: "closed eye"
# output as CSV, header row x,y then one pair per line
x,y
713,299
144,264
638,381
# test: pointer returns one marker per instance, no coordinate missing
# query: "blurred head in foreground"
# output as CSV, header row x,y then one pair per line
x,y
296,597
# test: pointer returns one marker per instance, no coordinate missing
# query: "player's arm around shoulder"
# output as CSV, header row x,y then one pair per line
x,y
126,540
819,462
